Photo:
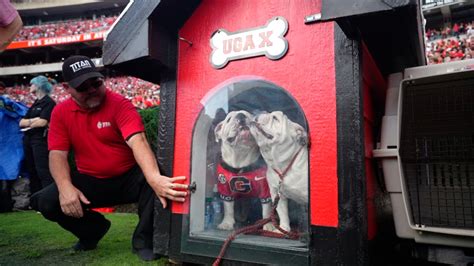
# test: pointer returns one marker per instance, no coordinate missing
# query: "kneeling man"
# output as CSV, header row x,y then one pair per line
x,y
115,164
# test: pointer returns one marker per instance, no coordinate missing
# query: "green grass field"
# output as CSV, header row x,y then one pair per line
x,y
26,238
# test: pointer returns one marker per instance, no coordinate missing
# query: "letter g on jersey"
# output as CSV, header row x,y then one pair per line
x,y
240,184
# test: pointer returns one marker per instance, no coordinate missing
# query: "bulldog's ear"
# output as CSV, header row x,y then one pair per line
x,y
217,131
301,136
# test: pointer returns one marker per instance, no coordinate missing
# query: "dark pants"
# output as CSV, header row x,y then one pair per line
x,y
6,203
130,187
36,161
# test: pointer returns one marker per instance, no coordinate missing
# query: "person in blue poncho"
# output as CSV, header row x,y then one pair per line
x,y
35,125
11,153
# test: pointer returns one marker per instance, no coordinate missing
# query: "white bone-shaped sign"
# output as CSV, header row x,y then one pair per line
x,y
267,40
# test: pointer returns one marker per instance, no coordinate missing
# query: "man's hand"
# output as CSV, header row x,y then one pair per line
x,y
70,199
165,187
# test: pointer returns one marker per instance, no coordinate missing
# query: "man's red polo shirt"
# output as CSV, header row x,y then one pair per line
x,y
97,138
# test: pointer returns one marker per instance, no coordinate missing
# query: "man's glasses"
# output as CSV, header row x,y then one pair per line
x,y
97,83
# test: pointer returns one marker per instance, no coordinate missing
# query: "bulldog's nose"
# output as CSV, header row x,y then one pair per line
x,y
241,118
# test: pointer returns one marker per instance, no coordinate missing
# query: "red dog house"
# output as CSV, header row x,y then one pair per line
x,y
297,87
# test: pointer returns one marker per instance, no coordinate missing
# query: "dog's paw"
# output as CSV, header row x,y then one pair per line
x,y
226,225
284,227
269,227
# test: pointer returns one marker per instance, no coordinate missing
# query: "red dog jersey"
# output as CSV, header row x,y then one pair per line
x,y
248,182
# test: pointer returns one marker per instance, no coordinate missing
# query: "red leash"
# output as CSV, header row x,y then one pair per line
x,y
257,226
283,174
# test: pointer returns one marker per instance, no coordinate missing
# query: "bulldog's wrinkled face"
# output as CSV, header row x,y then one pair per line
x,y
234,130
275,128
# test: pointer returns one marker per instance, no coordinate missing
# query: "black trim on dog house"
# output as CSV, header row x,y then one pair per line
x,y
143,43
165,155
145,36
352,229
395,40
343,8
347,244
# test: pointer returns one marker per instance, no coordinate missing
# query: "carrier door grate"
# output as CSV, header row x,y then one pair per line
x,y
437,152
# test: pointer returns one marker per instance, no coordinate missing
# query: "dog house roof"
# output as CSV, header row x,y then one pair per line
x,y
391,29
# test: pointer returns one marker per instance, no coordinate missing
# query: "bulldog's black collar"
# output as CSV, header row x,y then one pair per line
x,y
249,168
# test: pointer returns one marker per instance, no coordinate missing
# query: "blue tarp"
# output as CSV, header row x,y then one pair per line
x,y
11,144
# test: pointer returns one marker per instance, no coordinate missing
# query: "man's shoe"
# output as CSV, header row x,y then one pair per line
x,y
79,246
85,245
146,254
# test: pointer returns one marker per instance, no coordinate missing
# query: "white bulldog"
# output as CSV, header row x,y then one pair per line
x,y
283,145
241,173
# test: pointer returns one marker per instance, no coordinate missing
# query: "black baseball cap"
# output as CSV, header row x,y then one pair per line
x,y
79,68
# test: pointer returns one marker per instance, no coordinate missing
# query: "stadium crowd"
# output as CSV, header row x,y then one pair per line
x,y
450,43
65,28
141,93
446,32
